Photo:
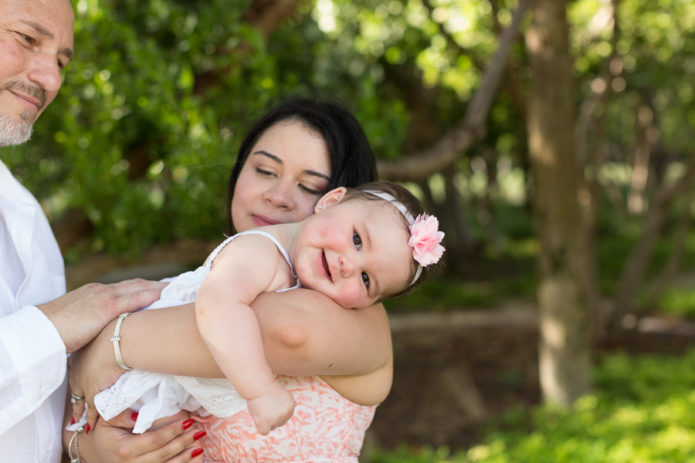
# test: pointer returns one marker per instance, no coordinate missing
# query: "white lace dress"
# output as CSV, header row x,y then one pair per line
x,y
156,395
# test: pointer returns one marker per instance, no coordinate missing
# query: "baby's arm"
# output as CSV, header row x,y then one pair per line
x,y
307,333
245,268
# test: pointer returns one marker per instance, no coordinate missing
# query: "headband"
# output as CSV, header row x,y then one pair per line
x,y
425,237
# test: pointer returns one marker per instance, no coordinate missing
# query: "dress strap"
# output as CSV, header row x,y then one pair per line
x,y
281,248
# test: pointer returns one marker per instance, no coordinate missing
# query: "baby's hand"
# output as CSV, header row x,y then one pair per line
x,y
272,409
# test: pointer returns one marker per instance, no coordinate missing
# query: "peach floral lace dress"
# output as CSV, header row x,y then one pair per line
x,y
325,427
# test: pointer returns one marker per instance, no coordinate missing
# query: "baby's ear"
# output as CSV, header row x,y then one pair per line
x,y
332,197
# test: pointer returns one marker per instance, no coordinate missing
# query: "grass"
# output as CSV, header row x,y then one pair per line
x,y
640,412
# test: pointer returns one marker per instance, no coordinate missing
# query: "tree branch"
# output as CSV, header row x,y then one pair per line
x,y
458,139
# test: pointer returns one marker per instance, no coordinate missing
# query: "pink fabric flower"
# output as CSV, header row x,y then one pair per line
x,y
425,238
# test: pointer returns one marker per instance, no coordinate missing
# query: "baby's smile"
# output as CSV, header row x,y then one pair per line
x,y
325,265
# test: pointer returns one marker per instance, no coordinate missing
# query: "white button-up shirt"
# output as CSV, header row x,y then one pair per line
x,y
32,354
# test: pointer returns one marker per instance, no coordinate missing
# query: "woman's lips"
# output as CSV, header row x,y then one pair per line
x,y
261,221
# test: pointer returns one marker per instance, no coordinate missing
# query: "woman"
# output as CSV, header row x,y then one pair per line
x,y
293,154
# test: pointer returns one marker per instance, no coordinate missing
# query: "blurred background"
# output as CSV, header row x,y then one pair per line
x,y
553,139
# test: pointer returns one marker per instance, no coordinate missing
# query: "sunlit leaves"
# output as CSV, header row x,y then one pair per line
x,y
160,93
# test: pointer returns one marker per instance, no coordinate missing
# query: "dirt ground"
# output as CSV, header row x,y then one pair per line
x,y
453,376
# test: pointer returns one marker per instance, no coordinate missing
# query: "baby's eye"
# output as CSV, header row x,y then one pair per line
x,y
365,279
357,241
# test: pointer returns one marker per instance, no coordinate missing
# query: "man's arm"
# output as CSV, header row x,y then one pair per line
x,y
32,364
34,340
80,315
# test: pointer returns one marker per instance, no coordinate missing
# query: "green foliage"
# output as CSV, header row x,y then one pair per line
x,y
678,301
641,412
154,105
441,294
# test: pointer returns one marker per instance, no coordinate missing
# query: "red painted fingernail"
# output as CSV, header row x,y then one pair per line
x,y
188,423
199,435
134,416
196,452
72,420
87,428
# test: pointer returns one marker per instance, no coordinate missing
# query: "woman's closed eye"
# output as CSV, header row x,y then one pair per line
x,y
264,172
310,190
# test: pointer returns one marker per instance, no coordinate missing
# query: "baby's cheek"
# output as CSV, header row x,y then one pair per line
x,y
350,295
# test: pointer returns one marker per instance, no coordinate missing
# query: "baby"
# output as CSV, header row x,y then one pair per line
x,y
361,246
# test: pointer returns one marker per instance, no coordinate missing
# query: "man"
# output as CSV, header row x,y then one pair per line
x,y
37,327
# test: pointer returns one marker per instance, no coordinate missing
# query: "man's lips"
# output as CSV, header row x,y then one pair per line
x,y
29,100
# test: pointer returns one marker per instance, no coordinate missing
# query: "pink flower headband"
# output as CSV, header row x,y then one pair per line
x,y
425,237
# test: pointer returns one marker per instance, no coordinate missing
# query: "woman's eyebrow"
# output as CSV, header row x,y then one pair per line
x,y
271,156
279,161
317,174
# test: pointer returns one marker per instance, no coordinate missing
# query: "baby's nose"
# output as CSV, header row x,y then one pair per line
x,y
346,267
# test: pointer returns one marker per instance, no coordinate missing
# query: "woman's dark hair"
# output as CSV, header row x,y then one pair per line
x,y
351,157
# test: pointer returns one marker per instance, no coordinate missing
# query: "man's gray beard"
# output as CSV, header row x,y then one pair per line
x,y
14,131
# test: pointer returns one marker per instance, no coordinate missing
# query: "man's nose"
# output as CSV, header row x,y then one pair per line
x,y
45,73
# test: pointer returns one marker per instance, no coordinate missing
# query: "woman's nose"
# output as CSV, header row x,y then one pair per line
x,y
280,195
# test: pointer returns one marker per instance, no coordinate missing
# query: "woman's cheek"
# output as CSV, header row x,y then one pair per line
x,y
306,211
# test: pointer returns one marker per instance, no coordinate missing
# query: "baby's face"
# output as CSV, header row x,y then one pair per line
x,y
356,252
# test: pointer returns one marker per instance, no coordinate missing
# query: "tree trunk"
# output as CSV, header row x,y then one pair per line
x,y
565,340
460,246
636,201
636,264
678,250
590,141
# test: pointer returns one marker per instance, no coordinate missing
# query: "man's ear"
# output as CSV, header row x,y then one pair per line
x,y
329,199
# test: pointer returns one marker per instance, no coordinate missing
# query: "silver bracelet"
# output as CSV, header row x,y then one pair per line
x,y
116,340
74,456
